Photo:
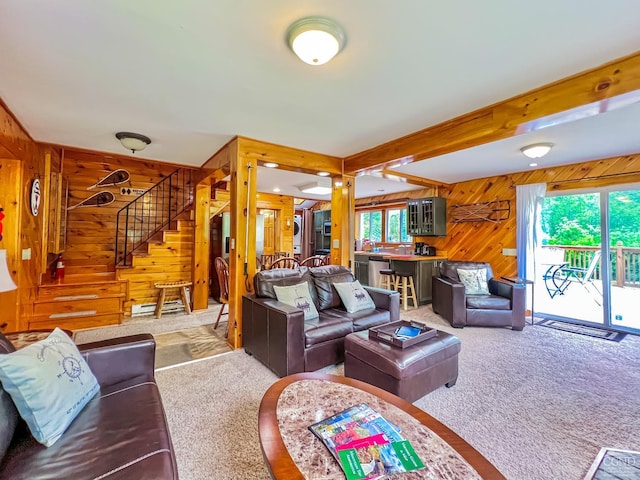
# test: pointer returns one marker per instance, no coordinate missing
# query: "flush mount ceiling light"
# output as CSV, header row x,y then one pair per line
x,y
270,165
536,150
133,141
315,40
323,174
320,187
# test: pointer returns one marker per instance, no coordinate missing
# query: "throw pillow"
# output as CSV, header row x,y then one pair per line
x,y
50,383
354,297
474,281
298,296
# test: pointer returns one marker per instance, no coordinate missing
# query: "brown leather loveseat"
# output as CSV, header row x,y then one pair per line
x,y
277,335
504,306
122,433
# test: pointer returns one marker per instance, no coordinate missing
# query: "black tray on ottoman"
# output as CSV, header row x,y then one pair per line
x,y
386,333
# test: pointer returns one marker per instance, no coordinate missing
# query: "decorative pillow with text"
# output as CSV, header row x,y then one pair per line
x,y
298,296
354,297
49,383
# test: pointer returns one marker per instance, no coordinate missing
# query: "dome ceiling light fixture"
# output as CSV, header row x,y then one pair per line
x,y
315,40
133,141
536,150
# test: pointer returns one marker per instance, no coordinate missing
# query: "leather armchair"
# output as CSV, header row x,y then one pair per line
x,y
505,306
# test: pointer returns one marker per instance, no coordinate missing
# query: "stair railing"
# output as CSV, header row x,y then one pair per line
x,y
152,212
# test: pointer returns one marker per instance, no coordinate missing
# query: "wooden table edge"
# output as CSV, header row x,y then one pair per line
x,y
282,466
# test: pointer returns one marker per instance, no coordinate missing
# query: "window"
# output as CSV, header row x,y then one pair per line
x,y
397,225
371,226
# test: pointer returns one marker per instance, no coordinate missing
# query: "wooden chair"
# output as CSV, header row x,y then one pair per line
x,y
285,262
326,259
313,261
222,272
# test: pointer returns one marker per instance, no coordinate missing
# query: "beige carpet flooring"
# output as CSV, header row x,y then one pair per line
x,y
538,404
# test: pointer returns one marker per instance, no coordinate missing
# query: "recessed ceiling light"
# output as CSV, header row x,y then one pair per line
x,y
270,165
324,174
276,189
533,164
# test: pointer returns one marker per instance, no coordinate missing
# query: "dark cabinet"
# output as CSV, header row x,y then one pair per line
x,y
427,217
321,240
423,273
362,269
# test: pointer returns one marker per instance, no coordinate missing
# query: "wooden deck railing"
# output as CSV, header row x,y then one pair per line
x,y
628,257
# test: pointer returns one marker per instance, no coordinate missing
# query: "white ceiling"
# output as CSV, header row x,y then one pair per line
x,y
192,74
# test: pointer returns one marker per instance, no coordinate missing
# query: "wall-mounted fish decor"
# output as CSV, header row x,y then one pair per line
x,y
114,178
99,199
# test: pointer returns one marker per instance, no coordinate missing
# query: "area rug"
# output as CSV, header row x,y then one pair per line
x,y
582,330
187,345
615,464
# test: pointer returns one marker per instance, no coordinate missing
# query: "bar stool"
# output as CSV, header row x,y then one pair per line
x,y
387,279
407,289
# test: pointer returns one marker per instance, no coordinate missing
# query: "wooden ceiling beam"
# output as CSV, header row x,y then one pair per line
x,y
506,119
412,179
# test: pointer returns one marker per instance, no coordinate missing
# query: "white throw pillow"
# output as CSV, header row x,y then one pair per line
x,y
50,383
354,297
474,280
298,296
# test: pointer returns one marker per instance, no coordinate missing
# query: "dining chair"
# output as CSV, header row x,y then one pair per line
x,y
285,262
313,261
222,272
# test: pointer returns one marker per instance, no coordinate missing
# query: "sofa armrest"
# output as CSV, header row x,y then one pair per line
x,y
517,293
274,334
386,300
119,359
449,300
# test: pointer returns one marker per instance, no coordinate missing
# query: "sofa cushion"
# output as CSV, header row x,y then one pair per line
x,y
488,302
264,281
122,433
474,281
8,412
362,320
354,297
324,278
325,328
49,383
297,296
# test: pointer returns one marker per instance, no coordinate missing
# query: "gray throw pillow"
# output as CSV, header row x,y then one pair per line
x,y
474,281
297,296
354,297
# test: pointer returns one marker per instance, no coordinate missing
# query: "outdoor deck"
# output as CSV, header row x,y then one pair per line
x,y
581,302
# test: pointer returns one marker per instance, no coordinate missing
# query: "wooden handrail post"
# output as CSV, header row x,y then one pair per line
x,y
620,267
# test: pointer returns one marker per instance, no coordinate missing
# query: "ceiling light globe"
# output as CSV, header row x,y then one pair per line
x,y
536,150
315,40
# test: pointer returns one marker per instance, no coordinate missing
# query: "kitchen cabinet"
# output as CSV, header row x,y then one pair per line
x,y
427,217
423,272
362,269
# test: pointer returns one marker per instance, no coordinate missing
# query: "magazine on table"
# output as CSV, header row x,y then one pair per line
x,y
365,444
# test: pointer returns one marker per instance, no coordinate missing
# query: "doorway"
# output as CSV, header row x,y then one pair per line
x,y
589,262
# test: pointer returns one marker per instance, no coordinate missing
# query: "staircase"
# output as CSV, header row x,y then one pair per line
x,y
154,241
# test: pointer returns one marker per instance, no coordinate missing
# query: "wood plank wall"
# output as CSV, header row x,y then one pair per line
x,y
91,230
22,231
484,241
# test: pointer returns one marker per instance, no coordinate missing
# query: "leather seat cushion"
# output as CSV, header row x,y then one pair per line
x,y
362,320
123,430
488,302
325,328
264,281
399,362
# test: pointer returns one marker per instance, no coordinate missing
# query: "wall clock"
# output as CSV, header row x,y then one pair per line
x,y
35,197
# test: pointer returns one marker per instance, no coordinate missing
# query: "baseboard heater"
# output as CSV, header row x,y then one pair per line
x,y
140,309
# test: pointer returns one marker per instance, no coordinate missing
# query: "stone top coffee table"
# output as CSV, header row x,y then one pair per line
x,y
292,451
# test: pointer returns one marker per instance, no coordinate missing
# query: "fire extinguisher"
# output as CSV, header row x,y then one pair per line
x,y
59,268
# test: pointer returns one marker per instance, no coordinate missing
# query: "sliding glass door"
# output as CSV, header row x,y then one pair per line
x,y
589,262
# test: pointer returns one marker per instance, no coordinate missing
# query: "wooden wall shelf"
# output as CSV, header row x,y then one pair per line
x,y
495,211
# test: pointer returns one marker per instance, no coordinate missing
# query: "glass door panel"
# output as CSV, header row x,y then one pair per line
x,y
624,241
569,263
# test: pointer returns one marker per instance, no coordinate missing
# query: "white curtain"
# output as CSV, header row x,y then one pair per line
x,y
529,203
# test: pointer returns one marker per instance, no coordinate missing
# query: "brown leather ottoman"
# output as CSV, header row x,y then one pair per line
x,y
409,372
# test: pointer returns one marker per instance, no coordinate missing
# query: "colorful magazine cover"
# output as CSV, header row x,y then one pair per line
x,y
365,444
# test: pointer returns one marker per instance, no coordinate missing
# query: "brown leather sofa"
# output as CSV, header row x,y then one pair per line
x,y
277,335
121,434
504,306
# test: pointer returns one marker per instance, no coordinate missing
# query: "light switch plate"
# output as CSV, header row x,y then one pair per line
x,y
336,243
509,252
26,254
